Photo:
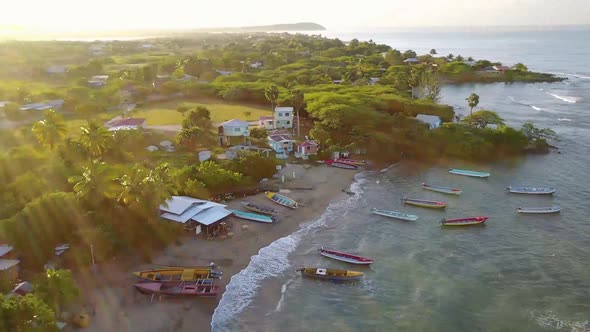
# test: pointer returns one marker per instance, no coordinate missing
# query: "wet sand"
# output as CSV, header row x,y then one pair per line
x,y
116,306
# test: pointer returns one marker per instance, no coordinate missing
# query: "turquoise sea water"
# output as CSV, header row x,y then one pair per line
x,y
516,273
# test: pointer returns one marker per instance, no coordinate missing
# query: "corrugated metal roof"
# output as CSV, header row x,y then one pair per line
x,y
5,249
6,264
283,109
211,215
235,123
182,208
430,119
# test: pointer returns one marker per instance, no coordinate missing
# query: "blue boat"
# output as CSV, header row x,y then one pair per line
x,y
282,200
466,172
253,216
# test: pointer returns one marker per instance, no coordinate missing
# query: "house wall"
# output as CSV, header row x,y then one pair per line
x,y
236,131
281,147
9,275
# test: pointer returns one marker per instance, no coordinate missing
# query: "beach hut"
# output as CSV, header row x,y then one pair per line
x,y
197,214
9,265
306,148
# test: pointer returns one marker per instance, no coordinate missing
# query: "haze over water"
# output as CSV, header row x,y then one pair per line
x,y
517,273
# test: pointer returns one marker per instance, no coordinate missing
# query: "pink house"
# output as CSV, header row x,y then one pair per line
x,y
306,148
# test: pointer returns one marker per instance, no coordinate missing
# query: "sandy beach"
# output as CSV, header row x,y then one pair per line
x,y
114,305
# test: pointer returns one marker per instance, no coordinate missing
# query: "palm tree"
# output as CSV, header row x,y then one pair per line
x,y
297,100
472,101
95,138
50,130
272,94
97,180
146,188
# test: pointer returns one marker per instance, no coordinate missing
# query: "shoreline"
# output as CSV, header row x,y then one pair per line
x,y
116,306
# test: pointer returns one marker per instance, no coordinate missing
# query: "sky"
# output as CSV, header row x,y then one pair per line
x,y
84,15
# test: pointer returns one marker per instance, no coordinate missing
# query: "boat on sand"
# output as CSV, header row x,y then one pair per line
x,y
253,216
344,257
330,274
202,288
352,161
340,164
258,208
175,275
539,210
464,221
424,203
282,200
466,172
394,214
444,190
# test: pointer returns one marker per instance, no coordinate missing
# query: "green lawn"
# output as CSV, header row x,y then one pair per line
x,y
166,114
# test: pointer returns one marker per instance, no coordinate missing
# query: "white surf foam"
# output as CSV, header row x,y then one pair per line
x,y
551,321
283,292
567,99
272,261
573,75
536,108
564,119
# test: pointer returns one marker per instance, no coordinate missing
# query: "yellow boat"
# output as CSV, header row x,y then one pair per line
x,y
330,274
174,274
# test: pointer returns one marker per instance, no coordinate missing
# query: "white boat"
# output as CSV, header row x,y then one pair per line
x,y
466,172
531,190
344,257
539,210
253,216
444,190
395,215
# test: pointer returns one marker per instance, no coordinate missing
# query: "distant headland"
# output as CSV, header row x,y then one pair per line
x,y
302,26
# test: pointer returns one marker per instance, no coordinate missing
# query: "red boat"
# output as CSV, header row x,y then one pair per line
x,y
352,161
344,257
202,288
464,221
340,164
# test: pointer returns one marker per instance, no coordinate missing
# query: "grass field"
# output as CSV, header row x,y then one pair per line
x,y
165,113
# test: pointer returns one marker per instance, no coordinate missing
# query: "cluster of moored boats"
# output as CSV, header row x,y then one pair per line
x,y
179,281
339,275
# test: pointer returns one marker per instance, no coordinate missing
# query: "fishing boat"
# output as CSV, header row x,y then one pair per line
x,y
531,190
344,257
395,215
539,210
464,221
352,161
259,208
330,274
282,200
175,275
253,216
444,190
340,164
424,203
465,172
201,288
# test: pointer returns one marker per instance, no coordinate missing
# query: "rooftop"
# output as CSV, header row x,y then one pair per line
x,y
279,138
183,208
411,60
307,143
5,249
235,123
283,109
429,119
6,264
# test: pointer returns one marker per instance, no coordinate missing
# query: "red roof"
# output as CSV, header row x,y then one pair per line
x,y
128,122
307,143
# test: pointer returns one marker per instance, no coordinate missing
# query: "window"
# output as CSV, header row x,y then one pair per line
x,y
237,130
280,114
286,114
288,122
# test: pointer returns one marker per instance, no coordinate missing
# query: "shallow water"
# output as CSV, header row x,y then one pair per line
x,y
516,273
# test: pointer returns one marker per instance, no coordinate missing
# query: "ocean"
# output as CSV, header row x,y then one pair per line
x,y
516,273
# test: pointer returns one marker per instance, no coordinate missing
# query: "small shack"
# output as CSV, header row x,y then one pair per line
x,y
9,265
206,216
432,121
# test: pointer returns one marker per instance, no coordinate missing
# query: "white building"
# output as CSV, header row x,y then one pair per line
x,y
234,132
183,209
283,117
432,121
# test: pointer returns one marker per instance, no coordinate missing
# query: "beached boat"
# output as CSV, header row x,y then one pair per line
x,y
539,210
253,216
175,275
444,190
352,161
393,214
344,257
531,190
464,221
340,164
465,172
282,200
424,203
201,288
259,208
330,274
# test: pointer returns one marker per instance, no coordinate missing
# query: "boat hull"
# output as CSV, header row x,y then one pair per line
x,y
174,276
258,209
252,216
465,221
352,161
282,200
178,290
340,164
469,173
394,215
531,191
443,190
331,275
539,210
344,257
425,204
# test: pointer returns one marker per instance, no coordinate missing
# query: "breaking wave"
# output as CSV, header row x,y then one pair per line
x,y
551,321
272,261
567,99
564,119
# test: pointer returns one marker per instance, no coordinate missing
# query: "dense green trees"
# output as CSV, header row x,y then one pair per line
x,y
26,314
56,288
272,94
50,130
483,118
